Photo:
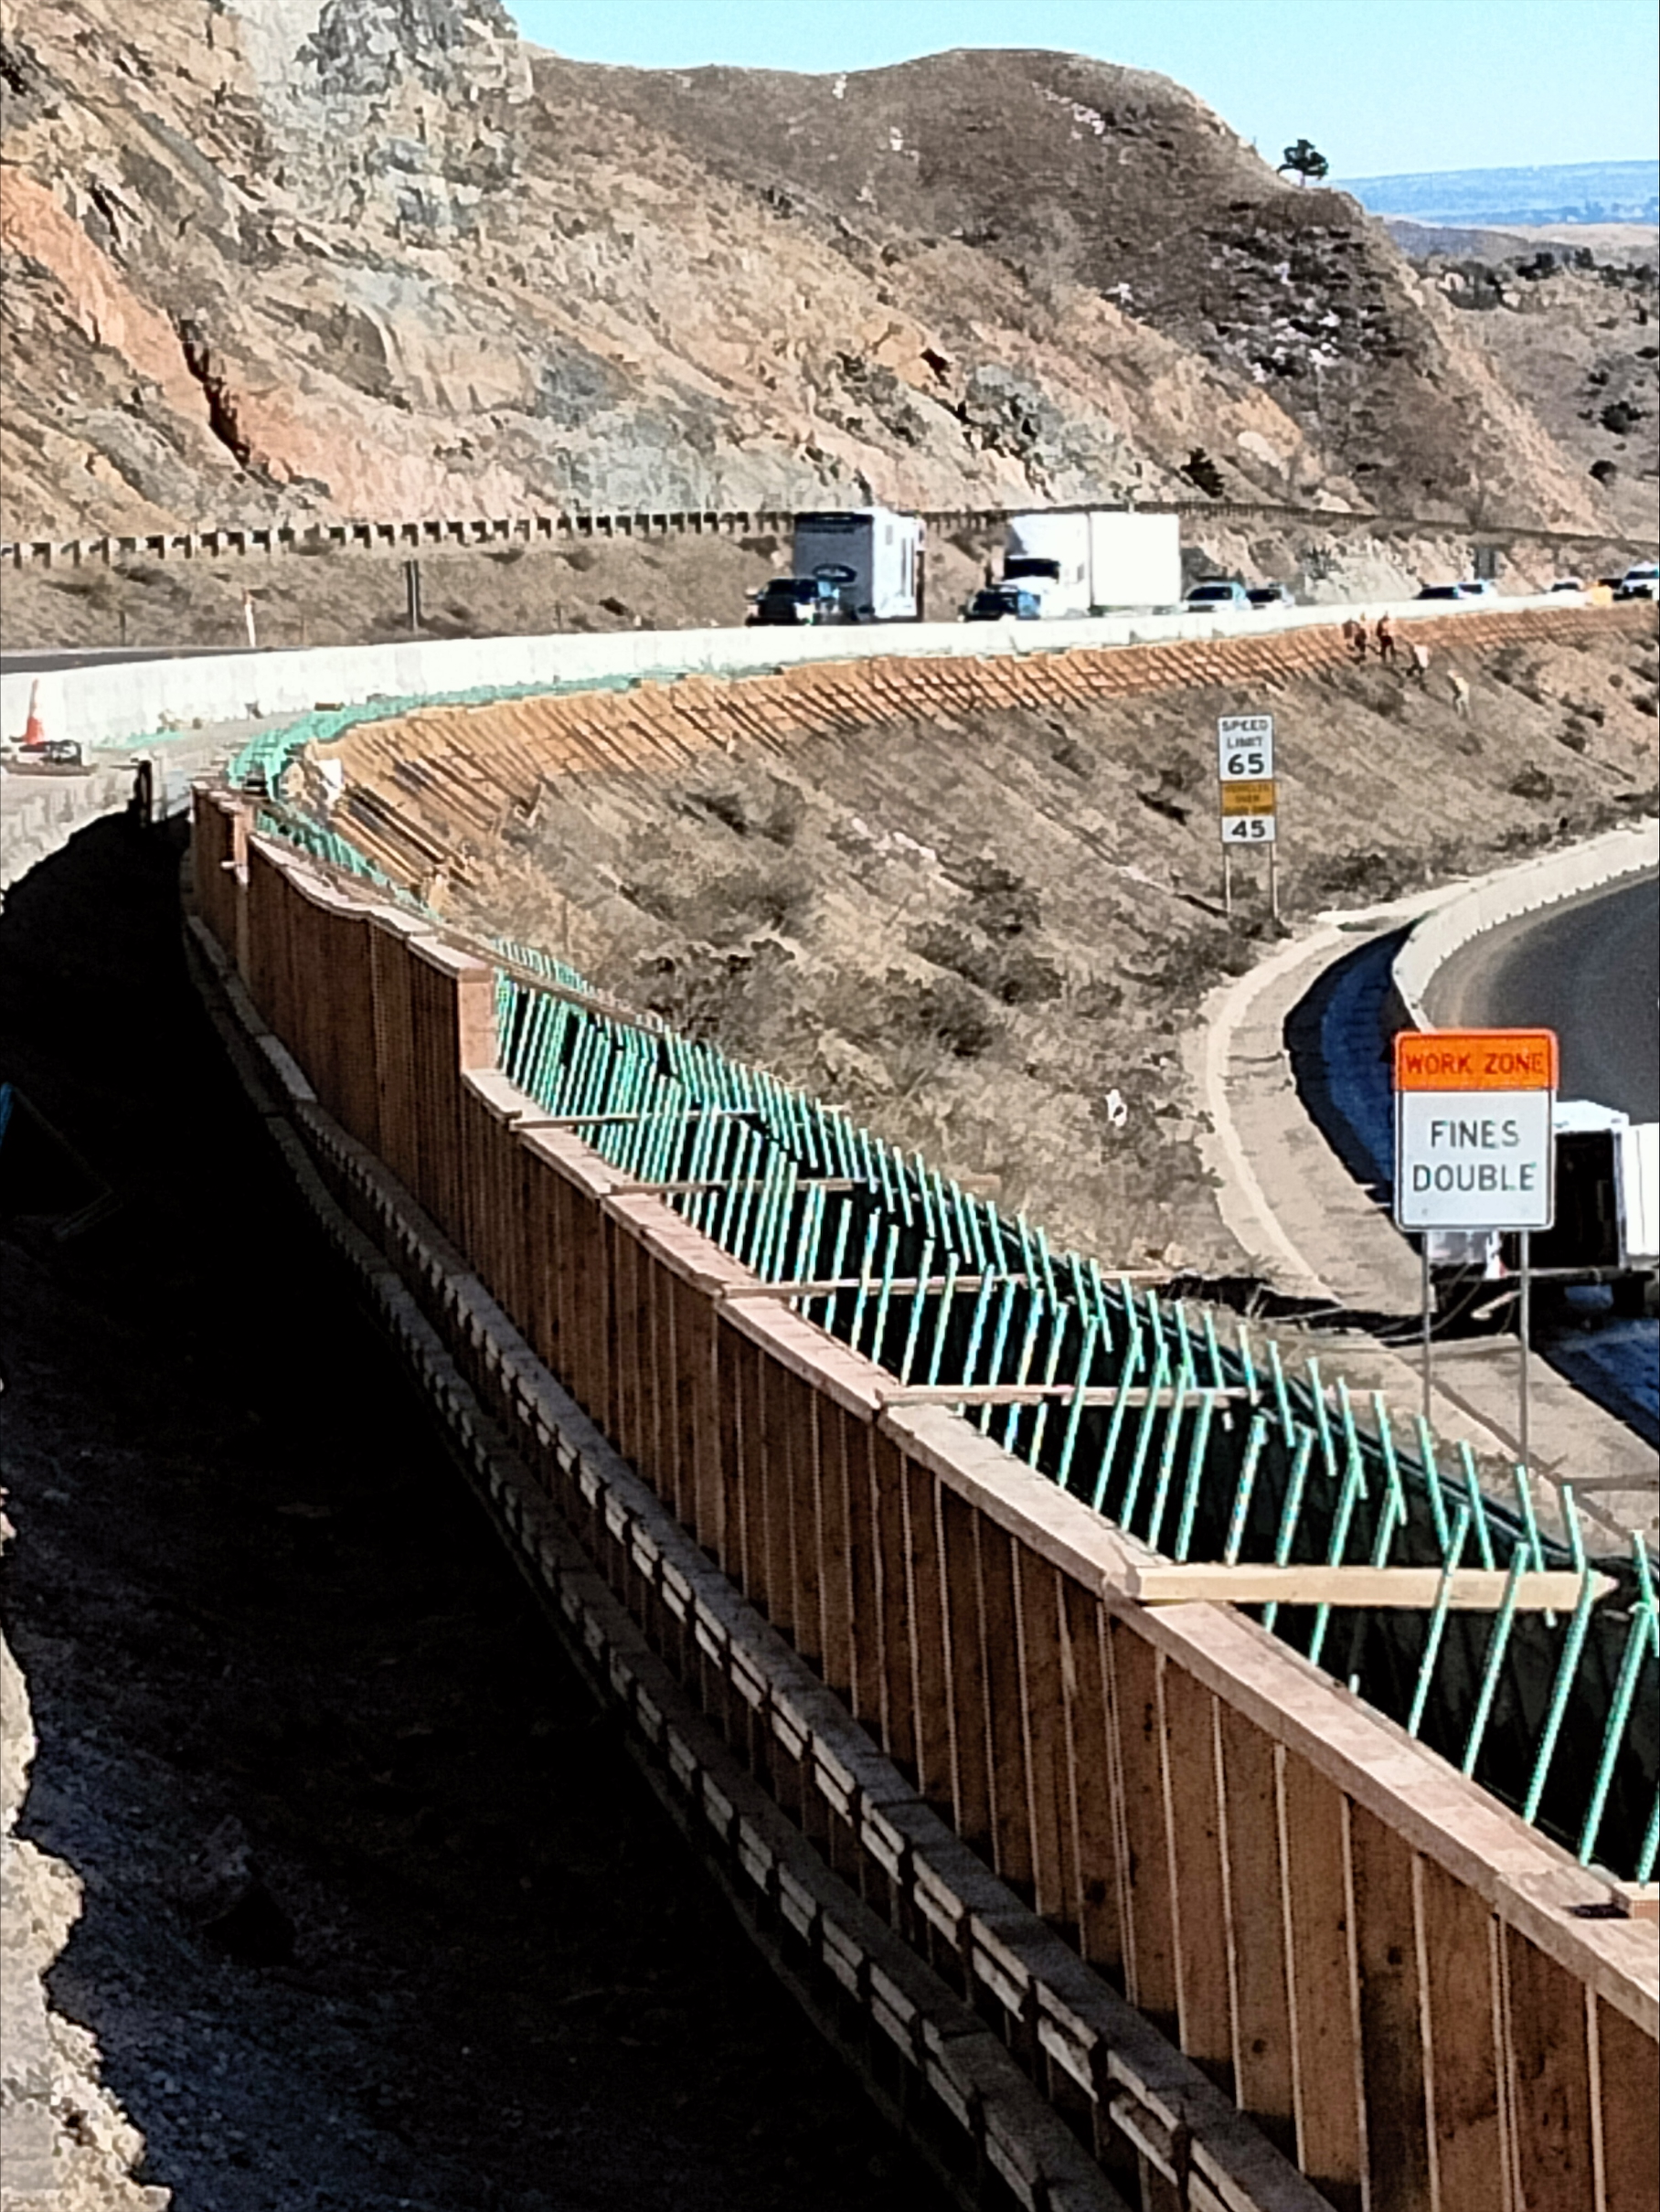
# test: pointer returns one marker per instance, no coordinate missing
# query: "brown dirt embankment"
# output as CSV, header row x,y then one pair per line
x,y
980,903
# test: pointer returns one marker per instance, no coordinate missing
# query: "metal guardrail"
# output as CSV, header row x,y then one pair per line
x,y
448,533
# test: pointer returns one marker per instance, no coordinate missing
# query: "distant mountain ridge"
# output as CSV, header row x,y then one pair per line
x,y
1565,192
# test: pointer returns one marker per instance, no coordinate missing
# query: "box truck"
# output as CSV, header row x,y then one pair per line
x,y
874,557
1094,560
1607,1225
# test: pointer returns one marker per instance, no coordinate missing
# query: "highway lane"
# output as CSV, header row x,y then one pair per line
x,y
50,658
1589,969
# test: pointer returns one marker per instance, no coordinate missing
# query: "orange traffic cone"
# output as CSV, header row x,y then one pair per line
x,y
34,735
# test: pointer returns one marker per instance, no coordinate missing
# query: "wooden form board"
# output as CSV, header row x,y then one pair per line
x,y
1391,1973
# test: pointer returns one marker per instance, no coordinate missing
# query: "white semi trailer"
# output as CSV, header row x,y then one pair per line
x,y
1093,560
873,556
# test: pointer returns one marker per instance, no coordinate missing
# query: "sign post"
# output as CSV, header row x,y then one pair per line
x,y
1475,1148
1248,796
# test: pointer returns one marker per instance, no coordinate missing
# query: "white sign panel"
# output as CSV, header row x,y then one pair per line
x,y
1248,829
1245,747
1474,1159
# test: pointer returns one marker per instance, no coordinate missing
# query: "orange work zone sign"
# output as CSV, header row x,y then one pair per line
x,y
1475,1060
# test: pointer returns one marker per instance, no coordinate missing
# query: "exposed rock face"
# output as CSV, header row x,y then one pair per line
x,y
65,2144
376,256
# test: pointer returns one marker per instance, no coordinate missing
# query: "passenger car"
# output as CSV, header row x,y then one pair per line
x,y
796,600
1003,603
1205,599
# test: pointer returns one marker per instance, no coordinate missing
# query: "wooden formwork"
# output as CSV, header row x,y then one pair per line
x,y
1419,1997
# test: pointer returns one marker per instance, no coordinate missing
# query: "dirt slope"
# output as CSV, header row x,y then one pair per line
x,y
377,257
986,931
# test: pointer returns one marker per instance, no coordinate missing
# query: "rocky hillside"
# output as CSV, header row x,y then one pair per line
x,y
379,257
1576,333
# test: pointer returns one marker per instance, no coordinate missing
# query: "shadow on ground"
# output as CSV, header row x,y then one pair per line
x,y
377,1913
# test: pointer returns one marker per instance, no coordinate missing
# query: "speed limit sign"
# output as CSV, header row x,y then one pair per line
x,y
1245,748
1248,796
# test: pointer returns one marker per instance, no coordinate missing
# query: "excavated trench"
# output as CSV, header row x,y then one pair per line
x,y
376,1913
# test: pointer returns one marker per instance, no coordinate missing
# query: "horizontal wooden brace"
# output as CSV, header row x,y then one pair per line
x,y
808,1287
1470,1590
1033,1394
660,1190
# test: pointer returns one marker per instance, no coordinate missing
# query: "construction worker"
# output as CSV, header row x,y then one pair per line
x,y
1421,665
1461,696
1386,640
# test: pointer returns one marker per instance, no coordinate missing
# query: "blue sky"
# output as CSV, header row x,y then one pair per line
x,y
1383,87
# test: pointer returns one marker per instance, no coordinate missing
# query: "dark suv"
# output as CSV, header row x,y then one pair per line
x,y
1003,603
797,600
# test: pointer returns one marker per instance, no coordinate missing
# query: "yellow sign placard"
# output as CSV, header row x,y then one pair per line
x,y
1253,798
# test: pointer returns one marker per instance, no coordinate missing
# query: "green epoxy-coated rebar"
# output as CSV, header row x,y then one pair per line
x,y
983,1300
1562,1689
885,1297
1254,1444
1432,1482
942,1320
867,1279
919,1299
1196,1468
1134,1359
1288,1427
1059,1324
1354,1482
1034,1320
1183,1337
1649,1848
1158,1380
1354,1457
1075,1412
1322,1421
994,1372
838,1255
1641,1634
1097,1293
1290,1512
1472,1491
1438,1622
1167,1457
1498,1644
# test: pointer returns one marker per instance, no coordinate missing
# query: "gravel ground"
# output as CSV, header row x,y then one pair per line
x,y
375,1912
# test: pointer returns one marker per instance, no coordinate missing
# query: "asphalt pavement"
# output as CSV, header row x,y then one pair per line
x,y
1589,970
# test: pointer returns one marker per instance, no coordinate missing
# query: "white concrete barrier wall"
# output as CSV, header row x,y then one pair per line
x,y
116,701
1515,891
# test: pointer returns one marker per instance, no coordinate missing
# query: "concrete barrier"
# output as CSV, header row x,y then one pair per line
x,y
1509,893
40,814
118,702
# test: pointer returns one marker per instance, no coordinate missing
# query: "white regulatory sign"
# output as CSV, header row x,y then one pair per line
x,y
1249,829
1245,747
1472,1159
